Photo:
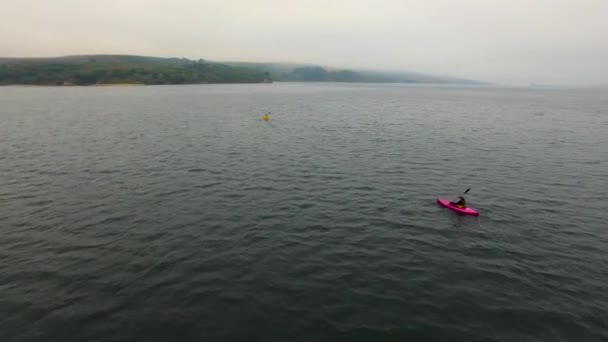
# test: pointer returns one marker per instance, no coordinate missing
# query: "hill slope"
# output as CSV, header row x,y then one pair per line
x,y
112,69
314,73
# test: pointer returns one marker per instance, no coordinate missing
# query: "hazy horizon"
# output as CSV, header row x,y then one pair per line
x,y
544,41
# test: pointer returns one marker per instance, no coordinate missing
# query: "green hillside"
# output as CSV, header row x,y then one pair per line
x,y
127,69
121,69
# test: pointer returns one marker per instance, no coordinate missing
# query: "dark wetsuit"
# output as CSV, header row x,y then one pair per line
x,y
462,203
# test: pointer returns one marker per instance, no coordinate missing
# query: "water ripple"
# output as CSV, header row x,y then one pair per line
x,y
176,213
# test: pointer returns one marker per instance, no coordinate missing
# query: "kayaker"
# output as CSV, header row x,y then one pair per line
x,y
462,203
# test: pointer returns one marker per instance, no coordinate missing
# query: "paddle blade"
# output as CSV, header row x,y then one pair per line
x,y
467,190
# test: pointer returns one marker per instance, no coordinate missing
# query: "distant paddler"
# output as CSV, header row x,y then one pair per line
x,y
266,116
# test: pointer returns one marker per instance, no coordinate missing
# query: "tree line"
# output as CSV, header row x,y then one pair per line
x,y
117,70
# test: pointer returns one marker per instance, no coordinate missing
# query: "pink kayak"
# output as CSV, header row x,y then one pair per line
x,y
464,211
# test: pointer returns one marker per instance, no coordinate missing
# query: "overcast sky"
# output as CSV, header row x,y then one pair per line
x,y
504,41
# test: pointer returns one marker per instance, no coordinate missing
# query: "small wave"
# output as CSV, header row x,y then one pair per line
x,y
197,170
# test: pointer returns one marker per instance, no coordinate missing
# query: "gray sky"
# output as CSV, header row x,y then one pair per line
x,y
504,41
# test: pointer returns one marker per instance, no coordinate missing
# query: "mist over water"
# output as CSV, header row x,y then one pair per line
x,y
177,213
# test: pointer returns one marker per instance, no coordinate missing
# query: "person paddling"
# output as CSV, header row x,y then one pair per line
x,y
462,203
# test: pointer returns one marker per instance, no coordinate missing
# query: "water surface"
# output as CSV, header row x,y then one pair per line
x,y
174,213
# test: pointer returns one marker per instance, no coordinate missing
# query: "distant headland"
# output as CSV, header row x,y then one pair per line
x,y
129,69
